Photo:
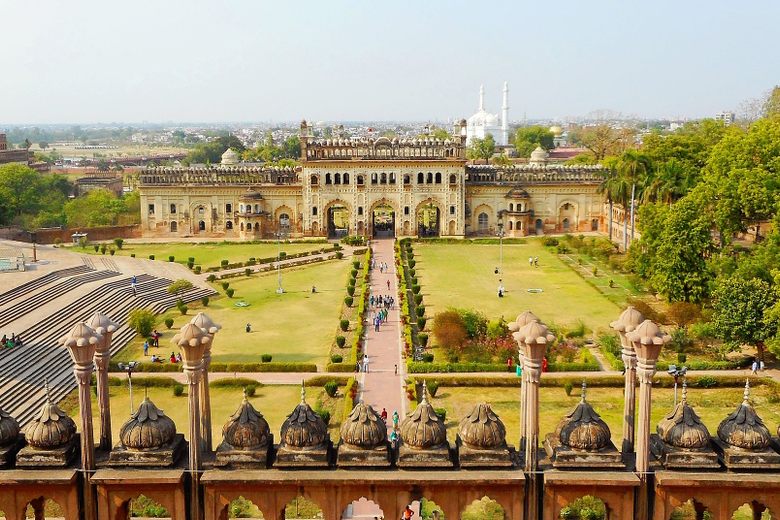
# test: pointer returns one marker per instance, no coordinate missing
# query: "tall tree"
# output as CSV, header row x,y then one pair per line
x,y
482,148
740,310
529,137
632,166
603,140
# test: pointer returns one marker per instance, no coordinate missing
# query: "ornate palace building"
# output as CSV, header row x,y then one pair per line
x,y
388,187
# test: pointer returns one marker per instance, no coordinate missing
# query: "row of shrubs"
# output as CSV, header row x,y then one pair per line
x,y
269,366
350,394
484,241
248,271
226,264
422,367
361,269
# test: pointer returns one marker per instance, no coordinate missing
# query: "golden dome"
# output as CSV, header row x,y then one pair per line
x,y
583,428
364,428
423,428
744,428
482,429
147,429
9,429
304,428
682,428
51,429
556,130
247,428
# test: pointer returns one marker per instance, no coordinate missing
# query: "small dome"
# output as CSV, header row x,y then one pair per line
x,y
247,428
682,428
583,428
556,130
9,429
364,428
482,429
51,429
539,155
744,428
423,428
147,429
250,194
229,157
304,428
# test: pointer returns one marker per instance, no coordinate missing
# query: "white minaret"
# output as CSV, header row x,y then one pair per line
x,y
505,116
481,98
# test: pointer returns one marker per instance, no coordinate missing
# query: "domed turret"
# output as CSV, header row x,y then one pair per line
x,y
482,429
9,429
744,428
583,428
364,428
538,157
304,428
423,428
682,428
556,130
51,429
246,429
250,195
147,429
229,157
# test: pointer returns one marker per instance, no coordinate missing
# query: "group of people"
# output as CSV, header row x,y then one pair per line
x,y
381,306
362,364
382,266
757,365
14,341
155,342
394,432
533,261
175,358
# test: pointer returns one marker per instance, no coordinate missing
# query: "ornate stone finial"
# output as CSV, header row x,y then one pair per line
x,y
147,429
246,428
629,320
52,428
423,428
304,428
684,398
482,429
648,340
192,341
583,391
9,429
744,428
683,428
203,321
81,342
425,392
583,428
364,428
102,324
303,392
522,320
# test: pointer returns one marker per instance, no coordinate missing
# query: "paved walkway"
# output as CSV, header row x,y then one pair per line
x,y
383,385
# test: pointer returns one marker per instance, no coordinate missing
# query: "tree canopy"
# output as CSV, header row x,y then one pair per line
x,y
482,148
529,137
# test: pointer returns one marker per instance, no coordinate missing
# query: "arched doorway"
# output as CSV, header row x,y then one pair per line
x,y
588,506
566,224
362,508
338,221
284,223
483,509
539,227
202,225
174,226
243,508
383,221
567,215
428,221
482,223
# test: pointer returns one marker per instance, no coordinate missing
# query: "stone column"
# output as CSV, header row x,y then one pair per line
x,y
534,338
209,327
192,341
647,340
627,322
81,343
103,325
522,320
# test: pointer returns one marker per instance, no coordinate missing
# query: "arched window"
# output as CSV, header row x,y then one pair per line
x,y
314,180
173,209
510,225
360,180
257,208
482,222
229,224
241,208
384,178
406,179
438,177
392,178
201,226
314,210
511,207
228,208
241,226
174,226
420,178
453,179
327,178
429,178
346,178
336,178
373,178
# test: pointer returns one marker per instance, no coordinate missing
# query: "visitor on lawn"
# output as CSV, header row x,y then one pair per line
x,y
146,347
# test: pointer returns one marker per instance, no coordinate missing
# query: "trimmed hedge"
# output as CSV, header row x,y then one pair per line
x,y
340,367
276,366
549,380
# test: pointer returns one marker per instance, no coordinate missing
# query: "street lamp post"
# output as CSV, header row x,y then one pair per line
x,y
103,325
676,372
279,289
193,341
647,340
129,367
81,343
500,268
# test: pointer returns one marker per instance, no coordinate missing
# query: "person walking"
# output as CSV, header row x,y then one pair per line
x,y
396,417
388,285
365,363
383,415
248,327
133,283
146,347
754,367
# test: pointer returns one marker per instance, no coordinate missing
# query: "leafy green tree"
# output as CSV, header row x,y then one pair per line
x,y
529,137
19,191
482,148
632,167
43,145
100,208
740,311
142,321
772,103
603,140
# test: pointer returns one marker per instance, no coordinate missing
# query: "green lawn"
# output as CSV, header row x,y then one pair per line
x,y
275,402
462,275
296,326
209,254
712,405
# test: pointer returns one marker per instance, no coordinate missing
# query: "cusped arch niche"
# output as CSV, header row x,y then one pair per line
x,y
363,508
484,508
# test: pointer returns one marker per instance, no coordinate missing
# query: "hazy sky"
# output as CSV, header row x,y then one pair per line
x,y
193,60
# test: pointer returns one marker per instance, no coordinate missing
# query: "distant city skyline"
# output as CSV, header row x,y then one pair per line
x,y
196,61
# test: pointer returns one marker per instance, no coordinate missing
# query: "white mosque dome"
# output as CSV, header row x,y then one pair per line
x,y
484,118
230,157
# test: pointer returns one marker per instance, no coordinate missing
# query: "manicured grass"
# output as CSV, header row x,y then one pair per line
x,y
275,402
462,275
712,405
296,326
209,254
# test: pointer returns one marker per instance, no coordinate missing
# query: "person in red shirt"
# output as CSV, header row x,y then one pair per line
x,y
544,364
407,514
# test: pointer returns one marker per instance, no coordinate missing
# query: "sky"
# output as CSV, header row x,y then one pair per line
x,y
85,61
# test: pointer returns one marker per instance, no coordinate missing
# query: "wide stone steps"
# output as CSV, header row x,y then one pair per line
x,y
12,313
23,371
46,279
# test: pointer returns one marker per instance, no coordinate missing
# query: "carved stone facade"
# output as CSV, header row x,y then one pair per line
x,y
371,186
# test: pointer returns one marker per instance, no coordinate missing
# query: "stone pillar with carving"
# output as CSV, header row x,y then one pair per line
x,y
81,343
192,341
103,325
533,338
629,320
209,327
522,320
647,341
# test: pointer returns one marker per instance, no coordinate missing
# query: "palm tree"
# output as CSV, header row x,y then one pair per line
x,y
633,166
613,187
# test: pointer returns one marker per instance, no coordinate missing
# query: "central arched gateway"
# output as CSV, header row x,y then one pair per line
x,y
428,220
338,221
383,221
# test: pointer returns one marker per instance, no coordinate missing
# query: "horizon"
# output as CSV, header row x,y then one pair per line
x,y
182,62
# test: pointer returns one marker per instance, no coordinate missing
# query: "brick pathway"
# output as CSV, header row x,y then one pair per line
x,y
382,386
